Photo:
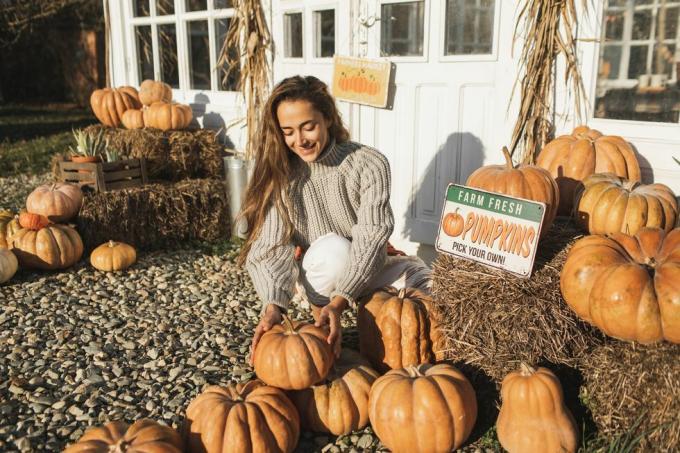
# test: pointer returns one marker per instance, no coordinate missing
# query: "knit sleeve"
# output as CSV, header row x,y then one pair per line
x,y
375,223
272,268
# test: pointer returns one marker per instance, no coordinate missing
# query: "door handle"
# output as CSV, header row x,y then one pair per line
x,y
368,21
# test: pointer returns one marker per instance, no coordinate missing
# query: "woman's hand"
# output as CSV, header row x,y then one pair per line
x,y
270,318
330,314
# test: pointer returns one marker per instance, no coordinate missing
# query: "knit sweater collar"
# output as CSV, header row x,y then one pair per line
x,y
326,163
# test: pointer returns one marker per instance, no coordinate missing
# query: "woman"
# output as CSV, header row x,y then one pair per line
x,y
314,190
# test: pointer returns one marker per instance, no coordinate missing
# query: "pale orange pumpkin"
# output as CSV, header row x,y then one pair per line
x,y
339,404
113,256
109,104
423,409
165,116
53,247
607,204
144,436
293,356
572,158
8,265
151,91
627,285
32,221
524,181
9,224
242,418
397,329
133,119
58,202
533,416
453,224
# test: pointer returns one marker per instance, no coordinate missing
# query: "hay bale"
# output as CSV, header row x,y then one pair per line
x,y
632,387
492,320
156,216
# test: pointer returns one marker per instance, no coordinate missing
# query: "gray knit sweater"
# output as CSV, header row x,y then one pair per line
x,y
346,191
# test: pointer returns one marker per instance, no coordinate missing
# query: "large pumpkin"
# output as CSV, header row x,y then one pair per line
x,y
423,409
144,436
133,119
113,256
166,116
533,416
293,356
53,247
9,224
524,181
151,91
8,265
241,418
607,204
628,286
109,104
58,202
397,329
572,158
339,405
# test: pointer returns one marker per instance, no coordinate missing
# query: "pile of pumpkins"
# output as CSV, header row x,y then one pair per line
x,y
151,106
39,237
415,407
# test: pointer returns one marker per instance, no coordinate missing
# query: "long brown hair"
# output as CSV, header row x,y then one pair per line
x,y
273,158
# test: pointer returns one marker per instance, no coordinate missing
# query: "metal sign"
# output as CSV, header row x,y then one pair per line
x,y
490,228
361,80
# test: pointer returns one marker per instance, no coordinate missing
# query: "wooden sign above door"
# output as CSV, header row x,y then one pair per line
x,y
361,80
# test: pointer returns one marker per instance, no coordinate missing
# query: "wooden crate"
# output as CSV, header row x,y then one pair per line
x,y
105,176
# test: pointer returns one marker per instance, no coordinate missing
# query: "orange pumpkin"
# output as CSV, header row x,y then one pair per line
x,y
109,104
164,116
453,223
9,224
53,247
113,256
32,221
627,285
572,158
133,119
58,202
151,91
143,436
524,181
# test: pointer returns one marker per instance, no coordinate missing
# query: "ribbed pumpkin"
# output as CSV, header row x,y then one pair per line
x,y
9,224
572,158
293,356
397,329
32,221
144,436
453,224
53,247
628,286
109,104
533,416
58,202
151,91
133,119
607,204
241,418
423,409
165,116
113,256
524,181
339,405
8,265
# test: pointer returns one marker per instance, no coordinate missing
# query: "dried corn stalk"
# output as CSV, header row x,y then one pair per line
x,y
548,27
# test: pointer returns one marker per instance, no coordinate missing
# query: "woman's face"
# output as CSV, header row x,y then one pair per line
x,y
304,128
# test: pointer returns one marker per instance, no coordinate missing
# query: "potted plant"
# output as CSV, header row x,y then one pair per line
x,y
89,147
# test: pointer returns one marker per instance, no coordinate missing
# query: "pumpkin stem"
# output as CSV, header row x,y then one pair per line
x,y
53,186
247,389
112,244
630,185
120,447
413,371
508,158
526,369
402,293
289,324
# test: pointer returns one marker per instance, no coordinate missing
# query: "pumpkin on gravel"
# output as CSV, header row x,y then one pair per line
x,y
59,202
113,256
109,104
8,265
144,436
9,224
54,247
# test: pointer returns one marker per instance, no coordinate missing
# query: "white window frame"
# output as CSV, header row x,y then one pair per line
x,y
313,32
297,10
426,33
493,56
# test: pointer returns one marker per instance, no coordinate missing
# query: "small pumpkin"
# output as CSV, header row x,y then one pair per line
x,y
626,285
533,416
151,91
397,329
8,265
166,116
32,221
453,224
9,224
244,418
423,409
293,356
59,202
53,247
133,119
109,104
339,404
524,181
113,256
572,158
143,436
607,204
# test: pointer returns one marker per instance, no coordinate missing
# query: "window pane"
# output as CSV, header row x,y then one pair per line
x,y
324,33
663,59
140,8
469,27
144,52
292,35
224,4
617,3
199,55
610,63
638,61
613,22
402,28
167,36
643,2
667,20
231,82
197,5
642,24
165,7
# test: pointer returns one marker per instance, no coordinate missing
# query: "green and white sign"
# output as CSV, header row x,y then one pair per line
x,y
490,228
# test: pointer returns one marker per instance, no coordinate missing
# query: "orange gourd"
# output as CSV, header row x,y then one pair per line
x,y
151,91
53,247
144,436
32,221
109,104
133,119
9,224
59,202
8,265
165,116
113,256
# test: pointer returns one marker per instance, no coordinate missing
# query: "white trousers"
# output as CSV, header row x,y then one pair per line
x,y
326,259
